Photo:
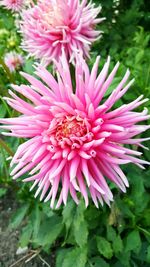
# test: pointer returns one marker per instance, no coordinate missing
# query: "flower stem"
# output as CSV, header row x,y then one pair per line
x,y
6,69
6,147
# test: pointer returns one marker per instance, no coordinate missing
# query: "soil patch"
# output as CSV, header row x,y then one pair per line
x,y
9,240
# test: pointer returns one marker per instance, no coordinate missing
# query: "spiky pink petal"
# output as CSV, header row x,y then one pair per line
x,y
50,25
75,142
14,5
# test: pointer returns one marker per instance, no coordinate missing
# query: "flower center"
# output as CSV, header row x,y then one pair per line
x,y
53,14
70,131
71,127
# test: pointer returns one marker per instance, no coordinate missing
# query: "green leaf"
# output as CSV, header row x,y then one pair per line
x,y
148,254
19,216
117,244
111,233
81,232
99,262
49,230
36,220
139,56
80,226
92,216
76,257
74,217
124,258
47,211
28,66
26,235
61,255
92,246
2,111
133,242
104,247
3,191
68,213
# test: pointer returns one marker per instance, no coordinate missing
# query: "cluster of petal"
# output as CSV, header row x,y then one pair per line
x,y
13,61
50,25
76,142
13,5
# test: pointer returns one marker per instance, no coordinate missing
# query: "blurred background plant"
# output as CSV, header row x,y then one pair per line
x,y
77,237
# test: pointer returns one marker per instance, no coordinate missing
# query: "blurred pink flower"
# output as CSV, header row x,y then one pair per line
x,y
13,61
50,25
75,139
14,5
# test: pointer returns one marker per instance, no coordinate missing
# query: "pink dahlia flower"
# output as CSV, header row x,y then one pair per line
x,y
75,141
14,5
13,61
51,25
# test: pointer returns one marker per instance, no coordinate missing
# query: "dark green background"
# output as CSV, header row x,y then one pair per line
x,y
118,236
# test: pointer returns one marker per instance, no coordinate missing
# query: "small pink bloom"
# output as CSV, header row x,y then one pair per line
x,y
14,5
13,61
50,25
75,139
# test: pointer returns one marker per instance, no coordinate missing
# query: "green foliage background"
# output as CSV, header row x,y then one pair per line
x,y
118,236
